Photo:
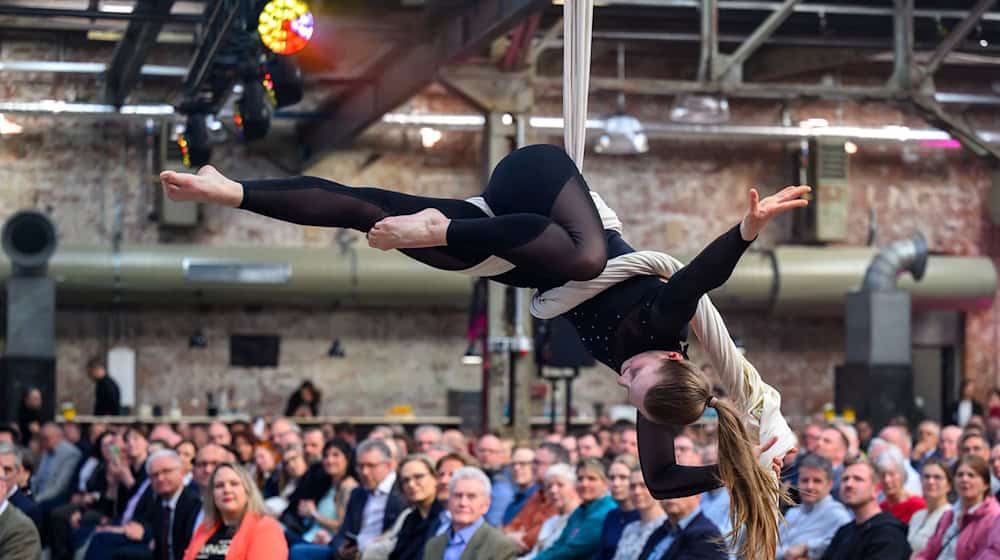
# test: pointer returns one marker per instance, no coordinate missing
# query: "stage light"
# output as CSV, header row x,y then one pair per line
x,y
850,147
255,107
196,148
285,26
336,349
429,137
286,80
623,135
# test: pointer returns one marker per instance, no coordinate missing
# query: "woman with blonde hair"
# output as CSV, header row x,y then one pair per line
x,y
537,224
235,525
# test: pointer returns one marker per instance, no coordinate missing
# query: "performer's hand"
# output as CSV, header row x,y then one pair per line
x,y
208,185
776,461
761,211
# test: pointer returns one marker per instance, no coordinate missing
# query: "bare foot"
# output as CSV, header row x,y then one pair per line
x,y
427,228
208,185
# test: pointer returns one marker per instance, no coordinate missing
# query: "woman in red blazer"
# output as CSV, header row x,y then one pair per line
x,y
236,526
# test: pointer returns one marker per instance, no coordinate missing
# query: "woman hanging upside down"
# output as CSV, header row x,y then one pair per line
x,y
538,225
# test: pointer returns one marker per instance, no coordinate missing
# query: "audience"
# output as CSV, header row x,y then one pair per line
x,y
967,406
419,522
686,534
492,460
52,484
651,517
371,509
469,536
524,529
808,528
560,486
928,437
427,437
891,466
589,446
10,471
832,446
319,510
874,534
948,446
964,530
19,538
103,493
619,483
936,483
236,525
582,534
523,477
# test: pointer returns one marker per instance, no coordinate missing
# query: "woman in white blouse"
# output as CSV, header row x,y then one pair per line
x,y
560,483
651,516
935,479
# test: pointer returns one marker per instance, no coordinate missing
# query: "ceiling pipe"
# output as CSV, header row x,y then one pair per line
x,y
789,280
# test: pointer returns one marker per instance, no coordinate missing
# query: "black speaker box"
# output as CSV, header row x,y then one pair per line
x,y
557,344
876,393
17,375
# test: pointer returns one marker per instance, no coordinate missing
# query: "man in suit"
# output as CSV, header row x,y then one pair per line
x,y
686,534
371,509
168,523
10,470
52,482
107,395
469,537
18,535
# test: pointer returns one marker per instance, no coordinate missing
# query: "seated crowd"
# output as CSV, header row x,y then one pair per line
x,y
274,490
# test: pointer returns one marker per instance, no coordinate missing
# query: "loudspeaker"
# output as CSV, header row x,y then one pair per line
x,y
254,350
557,344
17,375
876,393
31,308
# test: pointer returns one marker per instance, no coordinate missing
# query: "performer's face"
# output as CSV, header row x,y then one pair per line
x,y
641,372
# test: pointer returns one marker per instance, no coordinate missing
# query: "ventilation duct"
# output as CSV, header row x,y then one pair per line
x,y
28,361
877,379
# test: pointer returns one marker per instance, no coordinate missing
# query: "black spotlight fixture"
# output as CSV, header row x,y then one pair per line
x,y
286,76
336,349
197,339
194,142
255,108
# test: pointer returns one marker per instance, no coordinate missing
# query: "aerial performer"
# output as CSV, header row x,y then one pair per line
x,y
538,225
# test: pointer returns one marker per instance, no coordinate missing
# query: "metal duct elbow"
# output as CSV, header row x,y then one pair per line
x,y
906,255
29,239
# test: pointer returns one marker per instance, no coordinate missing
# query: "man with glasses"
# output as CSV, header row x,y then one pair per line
x,y
371,509
167,525
523,475
10,470
524,527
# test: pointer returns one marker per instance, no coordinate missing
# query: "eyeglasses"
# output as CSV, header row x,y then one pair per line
x,y
414,478
162,472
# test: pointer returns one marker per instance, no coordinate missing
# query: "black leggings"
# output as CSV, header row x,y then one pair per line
x,y
545,220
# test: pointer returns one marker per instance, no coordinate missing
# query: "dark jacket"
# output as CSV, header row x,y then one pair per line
x,y
696,542
108,399
415,532
883,537
611,533
977,409
354,514
28,507
313,486
185,514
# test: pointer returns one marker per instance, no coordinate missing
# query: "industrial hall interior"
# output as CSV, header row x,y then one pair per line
x,y
499,279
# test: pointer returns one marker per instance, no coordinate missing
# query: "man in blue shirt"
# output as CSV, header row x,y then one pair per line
x,y
808,528
523,475
686,534
469,537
